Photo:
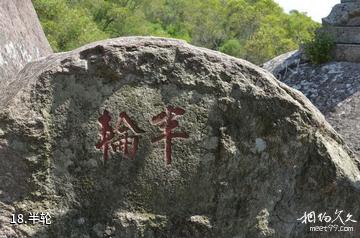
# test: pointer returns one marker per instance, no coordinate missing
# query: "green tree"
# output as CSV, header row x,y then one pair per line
x,y
66,28
300,28
268,41
318,49
232,47
256,30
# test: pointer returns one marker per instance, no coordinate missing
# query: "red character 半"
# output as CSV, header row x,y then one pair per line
x,y
167,121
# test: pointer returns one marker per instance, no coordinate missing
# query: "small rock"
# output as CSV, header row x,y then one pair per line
x,y
98,229
260,145
81,221
202,220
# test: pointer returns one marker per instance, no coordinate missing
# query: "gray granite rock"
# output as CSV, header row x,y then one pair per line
x,y
282,63
344,35
344,14
346,53
343,25
21,38
257,154
332,87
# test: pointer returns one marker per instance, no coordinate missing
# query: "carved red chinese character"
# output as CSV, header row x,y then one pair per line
x,y
167,121
126,136
123,138
106,134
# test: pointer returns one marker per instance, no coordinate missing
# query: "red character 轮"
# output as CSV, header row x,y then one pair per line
x,y
106,134
126,136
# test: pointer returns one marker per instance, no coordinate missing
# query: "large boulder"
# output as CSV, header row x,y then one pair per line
x,y
152,137
21,38
279,65
334,88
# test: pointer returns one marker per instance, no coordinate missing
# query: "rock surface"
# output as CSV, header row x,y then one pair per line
x,y
257,156
21,37
333,87
279,65
345,13
343,25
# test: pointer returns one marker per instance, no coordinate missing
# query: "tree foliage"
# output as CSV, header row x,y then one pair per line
x,y
318,49
256,30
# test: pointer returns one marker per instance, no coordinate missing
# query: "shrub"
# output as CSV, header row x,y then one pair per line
x,y
318,50
232,47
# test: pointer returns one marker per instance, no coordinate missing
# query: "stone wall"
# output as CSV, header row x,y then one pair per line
x,y
343,24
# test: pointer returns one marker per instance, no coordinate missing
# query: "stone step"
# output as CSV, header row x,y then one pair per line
x,y
347,52
344,35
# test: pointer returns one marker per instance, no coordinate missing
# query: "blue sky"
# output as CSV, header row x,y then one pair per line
x,y
316,9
